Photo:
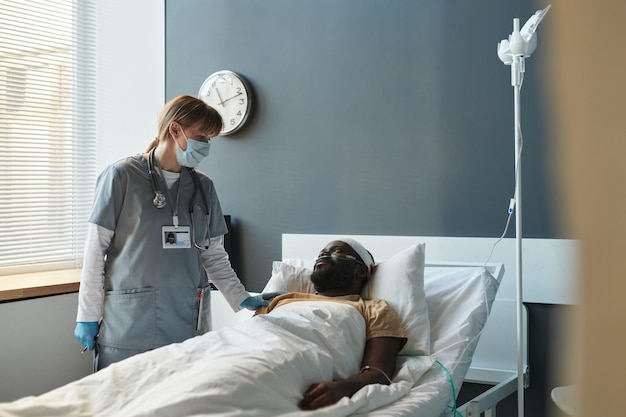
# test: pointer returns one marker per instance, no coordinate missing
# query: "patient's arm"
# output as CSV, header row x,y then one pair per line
x,y
380,355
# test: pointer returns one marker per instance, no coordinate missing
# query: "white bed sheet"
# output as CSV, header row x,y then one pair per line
x,y
260,367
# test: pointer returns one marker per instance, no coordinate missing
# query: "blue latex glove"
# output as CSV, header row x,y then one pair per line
x,y
261,300
86,332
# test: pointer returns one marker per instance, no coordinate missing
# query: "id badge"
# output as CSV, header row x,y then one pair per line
x,y
176,237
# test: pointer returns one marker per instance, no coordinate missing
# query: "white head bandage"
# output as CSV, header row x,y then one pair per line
x,y
361,251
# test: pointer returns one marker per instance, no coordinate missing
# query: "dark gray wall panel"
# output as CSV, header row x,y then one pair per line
x,y
371,117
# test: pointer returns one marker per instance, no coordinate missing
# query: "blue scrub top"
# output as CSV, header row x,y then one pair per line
x,y
151,293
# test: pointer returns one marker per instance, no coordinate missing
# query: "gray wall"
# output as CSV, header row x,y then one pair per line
x,y
371,117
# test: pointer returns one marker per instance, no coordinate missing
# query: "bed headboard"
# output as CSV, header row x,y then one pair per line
x,y
495,269
550,276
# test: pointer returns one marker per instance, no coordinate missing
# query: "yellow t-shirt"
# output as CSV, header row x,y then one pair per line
x,y
380,319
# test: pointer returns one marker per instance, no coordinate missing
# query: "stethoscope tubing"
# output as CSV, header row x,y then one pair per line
x,y
160,201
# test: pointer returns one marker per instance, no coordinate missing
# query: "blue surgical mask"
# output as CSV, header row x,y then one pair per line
x,y
194,154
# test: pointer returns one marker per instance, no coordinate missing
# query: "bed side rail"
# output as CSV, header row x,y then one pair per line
x,y
487,401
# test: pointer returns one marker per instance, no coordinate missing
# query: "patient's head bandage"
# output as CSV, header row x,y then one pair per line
x,y
362,252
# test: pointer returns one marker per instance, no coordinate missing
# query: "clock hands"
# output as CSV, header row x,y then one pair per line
x,y
219,96
222,101
228,99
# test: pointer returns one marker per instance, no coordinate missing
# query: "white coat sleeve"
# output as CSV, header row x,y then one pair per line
x,y
217,266
91,291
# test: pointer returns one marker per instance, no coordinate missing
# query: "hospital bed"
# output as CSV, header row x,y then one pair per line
x,y
255,366
459,297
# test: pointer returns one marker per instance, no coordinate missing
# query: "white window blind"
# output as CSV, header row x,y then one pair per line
x,y
47,131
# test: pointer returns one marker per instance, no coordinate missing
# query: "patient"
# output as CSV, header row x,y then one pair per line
x,y
340,272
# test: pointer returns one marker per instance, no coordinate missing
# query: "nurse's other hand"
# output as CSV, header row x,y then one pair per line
x,y
86,332
261,300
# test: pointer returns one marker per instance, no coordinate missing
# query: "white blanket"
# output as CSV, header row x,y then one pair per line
x,y
259,367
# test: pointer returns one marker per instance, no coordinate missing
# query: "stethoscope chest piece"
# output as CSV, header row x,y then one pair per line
x,y
159,200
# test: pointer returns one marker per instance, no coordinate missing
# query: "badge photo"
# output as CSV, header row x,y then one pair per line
x,y
176,237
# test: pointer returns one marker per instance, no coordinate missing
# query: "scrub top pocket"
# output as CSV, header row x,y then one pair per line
x,y
129,319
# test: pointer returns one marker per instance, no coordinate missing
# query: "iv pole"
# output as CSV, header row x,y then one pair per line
x,y
520,45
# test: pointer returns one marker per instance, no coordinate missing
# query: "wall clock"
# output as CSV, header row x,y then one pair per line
x,y
229,94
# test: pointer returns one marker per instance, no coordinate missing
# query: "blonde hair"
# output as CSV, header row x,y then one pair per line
x,y
186,111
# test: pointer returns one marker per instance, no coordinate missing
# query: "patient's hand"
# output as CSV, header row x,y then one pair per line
x,y
323,394
379,360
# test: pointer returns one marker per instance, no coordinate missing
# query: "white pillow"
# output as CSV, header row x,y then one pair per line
x,y
398,280
290,278
459,301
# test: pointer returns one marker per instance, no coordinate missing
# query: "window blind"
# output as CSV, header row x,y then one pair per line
x,y
47,131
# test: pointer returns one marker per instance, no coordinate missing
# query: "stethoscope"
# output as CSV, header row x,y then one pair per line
x,y
159,200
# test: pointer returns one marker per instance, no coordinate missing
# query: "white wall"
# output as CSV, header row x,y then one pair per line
x,y
38,351
131,76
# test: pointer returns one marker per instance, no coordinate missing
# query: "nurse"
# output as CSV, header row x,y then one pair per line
x,y
154,235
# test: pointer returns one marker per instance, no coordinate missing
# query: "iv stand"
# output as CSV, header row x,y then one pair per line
x,y
517,68
520,45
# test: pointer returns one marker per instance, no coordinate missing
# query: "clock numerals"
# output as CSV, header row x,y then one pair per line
x,y
228,93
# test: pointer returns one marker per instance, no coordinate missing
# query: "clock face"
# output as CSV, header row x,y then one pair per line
x,y
229,94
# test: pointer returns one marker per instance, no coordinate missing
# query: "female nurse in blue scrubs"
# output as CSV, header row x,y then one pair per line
x,y
154,236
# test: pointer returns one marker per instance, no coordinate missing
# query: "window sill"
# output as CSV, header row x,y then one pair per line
x,y
38,284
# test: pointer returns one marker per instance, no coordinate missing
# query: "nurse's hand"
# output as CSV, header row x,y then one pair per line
x,y
86,332
261,300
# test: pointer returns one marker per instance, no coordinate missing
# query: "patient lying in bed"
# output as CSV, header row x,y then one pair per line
x,y
339,275
318,353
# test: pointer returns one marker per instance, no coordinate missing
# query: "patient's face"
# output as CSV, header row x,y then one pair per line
x,y
333,275
335,267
